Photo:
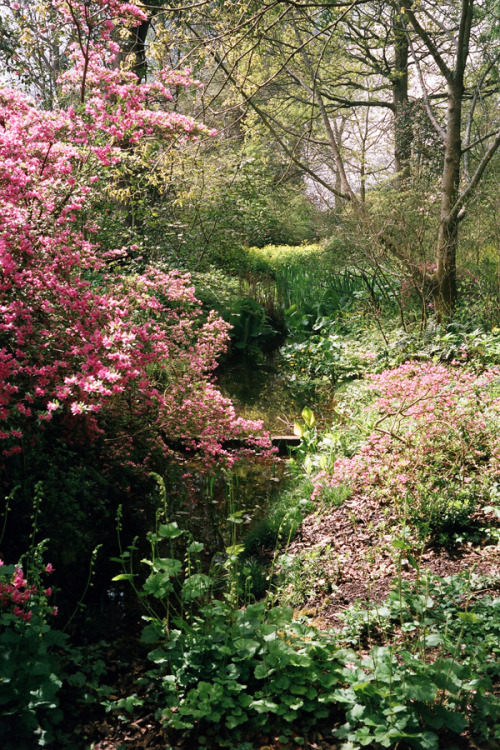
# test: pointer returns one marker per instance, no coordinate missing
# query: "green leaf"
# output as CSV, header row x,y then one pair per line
x,y
262,671
438,717
124,577
420,689
428,741
264,706
282,683
233,720
129,703
170,565
158,655
400,544
308,417
364,736
196,586
169,530
150,634
298,430
456,721
414,564
235,549
246,647
356,712
158,584
467,616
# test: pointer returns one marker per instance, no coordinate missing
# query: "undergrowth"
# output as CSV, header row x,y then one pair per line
x,y
224,673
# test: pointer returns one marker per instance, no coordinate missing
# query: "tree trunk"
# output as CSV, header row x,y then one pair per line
x,y
445,286
443,281
403,135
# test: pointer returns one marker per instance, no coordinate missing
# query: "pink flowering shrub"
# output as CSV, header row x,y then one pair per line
x,y
18,597
28,662
93,351
434,440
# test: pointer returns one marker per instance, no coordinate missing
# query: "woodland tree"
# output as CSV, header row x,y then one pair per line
x,y
298,65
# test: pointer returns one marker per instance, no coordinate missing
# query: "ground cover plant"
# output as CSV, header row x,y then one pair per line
x,y
414,671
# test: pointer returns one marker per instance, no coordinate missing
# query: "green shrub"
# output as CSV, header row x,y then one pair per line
x,y
225,674
241,672
216,290
250,331
304,576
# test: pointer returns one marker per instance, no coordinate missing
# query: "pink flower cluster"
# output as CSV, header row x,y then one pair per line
x,y
431,423
16,595
93,351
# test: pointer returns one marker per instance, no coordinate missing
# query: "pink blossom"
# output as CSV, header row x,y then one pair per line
x,y
93,360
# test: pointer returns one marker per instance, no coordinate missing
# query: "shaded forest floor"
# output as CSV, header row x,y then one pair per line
x,y
354,556
352,560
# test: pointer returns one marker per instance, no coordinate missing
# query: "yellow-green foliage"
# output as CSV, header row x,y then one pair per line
x,y
276,256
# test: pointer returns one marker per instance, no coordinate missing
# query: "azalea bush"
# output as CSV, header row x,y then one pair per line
x,y
105,369
91,349
432,444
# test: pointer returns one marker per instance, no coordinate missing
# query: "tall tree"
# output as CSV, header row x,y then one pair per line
x,y
296,54
457,21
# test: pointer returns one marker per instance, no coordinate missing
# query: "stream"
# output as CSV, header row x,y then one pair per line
x,y
217,510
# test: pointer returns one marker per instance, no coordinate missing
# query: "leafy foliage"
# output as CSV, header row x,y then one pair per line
x,y
448,649
446,419
224,674
29,666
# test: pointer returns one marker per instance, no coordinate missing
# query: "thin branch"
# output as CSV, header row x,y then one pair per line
x,y
424,36
480,140
346,187
435,124
475,98
458,210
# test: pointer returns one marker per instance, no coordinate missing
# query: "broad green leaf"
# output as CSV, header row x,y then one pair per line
x,y
420,689
262,671
308,417
246,647
169,565
158,655
298,430
264,706
467,616
196,586
169,530
400,544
